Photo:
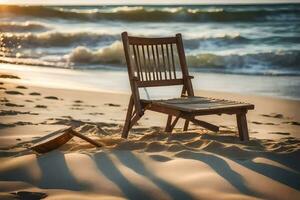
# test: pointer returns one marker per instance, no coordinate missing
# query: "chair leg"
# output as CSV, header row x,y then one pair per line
x,y
134,119
173,124
168,125
204,124
128,118
186,125
242,126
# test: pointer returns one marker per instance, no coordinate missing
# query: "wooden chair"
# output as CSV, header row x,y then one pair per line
x,y
154,62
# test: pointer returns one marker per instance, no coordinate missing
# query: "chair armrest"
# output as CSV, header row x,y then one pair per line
x,y
190,77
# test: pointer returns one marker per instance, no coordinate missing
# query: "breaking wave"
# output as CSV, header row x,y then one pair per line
x,y
113,54
54,39
60,39
22,27
183,14
71,39
280,59
259,63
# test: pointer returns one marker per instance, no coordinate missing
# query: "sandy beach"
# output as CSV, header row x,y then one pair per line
x,y
151,164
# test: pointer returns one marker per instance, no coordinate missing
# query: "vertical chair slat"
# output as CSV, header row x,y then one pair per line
x,y
183,65
169,63
154,63
158,62
150,64
136,62
164,61
144,63
173,61
139,60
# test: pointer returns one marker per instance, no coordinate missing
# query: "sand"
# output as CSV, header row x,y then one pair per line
x,y
150,164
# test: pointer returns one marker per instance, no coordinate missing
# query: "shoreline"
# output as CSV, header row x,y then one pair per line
x,y
281,87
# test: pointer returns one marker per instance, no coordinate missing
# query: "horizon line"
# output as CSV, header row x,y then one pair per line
x,y
149,3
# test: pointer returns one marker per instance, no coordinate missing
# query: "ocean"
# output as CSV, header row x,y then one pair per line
x,y
252,48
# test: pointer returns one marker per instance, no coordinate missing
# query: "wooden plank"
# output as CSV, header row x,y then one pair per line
x,y
183,91
169,62
173,61
59,139
157,108
183,65
136,62
140,64
172,126
145,65
186,125
134,88
196,104
198,110
157,83
168,124
158,62
164,61
151,41
201,106
134,120
242,126
87,139
128,118
204,124
53,142
154,62
149,62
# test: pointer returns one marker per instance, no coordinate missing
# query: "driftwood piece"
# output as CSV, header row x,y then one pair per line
x,y
87,139
60,139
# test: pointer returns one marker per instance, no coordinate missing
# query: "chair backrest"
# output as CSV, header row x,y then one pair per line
x,y
153,62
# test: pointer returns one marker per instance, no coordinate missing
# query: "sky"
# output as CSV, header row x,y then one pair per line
x,y
126,2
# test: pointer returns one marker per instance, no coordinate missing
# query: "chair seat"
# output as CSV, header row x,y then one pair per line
x,y
200,105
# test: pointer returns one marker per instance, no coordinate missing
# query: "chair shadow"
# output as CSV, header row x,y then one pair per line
x,y
291,160
131,161
222,168
110,171
287,177
55,173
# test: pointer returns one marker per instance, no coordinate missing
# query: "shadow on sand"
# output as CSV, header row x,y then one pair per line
x,y
288,177
107,167
130,160
222,168
55,173
110,171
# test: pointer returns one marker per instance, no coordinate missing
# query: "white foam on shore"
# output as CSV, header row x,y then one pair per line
x,y
67,78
